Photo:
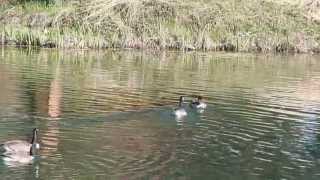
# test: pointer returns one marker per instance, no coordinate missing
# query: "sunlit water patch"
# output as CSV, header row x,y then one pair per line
x,y
108,114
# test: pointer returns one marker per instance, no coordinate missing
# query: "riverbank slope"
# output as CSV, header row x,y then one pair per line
x,y
245,25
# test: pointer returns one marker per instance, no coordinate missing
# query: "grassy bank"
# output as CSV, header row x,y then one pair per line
x,y
230,25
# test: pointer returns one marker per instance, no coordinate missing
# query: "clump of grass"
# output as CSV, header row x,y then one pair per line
x,y
52,38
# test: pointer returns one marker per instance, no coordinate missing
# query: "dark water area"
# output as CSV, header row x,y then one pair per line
x,y
108,114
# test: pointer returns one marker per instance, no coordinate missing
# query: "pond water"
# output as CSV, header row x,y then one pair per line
x,y
107,114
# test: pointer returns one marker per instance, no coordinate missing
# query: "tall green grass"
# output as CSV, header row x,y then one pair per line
x,y
246,25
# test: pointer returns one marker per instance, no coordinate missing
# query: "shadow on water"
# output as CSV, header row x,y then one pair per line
x,y
109,114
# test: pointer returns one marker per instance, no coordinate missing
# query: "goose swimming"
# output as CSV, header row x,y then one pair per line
x,y
198,103
20,151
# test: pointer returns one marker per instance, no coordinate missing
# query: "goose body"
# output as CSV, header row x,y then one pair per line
x,y
20,151
16,146
17,159
180,111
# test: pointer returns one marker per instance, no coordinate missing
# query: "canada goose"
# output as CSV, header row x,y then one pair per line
x,y
198,103
180,111
20,150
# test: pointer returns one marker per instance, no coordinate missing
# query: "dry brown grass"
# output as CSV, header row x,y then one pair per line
x,y
247,25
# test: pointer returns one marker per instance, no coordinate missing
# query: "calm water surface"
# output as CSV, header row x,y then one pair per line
x,y
107,115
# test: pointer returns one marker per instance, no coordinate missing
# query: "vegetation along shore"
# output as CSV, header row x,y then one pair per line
x,y
210,25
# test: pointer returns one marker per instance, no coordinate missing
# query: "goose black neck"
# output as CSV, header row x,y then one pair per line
x,y
31,150
33,142
180,101
34,137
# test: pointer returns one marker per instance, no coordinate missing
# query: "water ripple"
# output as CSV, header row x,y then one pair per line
x,y
108,115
